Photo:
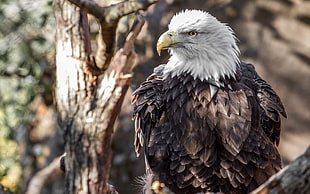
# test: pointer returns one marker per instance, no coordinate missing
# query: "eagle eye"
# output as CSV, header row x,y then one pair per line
x,y
192,33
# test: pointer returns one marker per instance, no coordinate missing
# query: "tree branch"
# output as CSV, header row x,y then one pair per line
x,y
295,178
41,177
108,18
111,14
90,7
115,12
127,52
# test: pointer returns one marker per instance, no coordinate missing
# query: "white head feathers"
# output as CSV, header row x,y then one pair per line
x,y
203,47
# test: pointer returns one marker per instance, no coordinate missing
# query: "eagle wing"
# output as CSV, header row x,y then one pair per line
x,y
249,127
148,108
270,105
251,105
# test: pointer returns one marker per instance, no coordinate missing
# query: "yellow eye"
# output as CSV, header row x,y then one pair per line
x,y
192,33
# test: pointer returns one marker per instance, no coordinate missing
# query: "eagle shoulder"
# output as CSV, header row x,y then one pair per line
x,y
270,105
147,101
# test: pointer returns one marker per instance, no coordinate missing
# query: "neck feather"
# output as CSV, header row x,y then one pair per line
x,y
204,67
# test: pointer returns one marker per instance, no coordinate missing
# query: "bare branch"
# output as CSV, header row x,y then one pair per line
x,y
40,178
111,14
106,45
135,30
128,50
294,178
108,18
90,7
115,12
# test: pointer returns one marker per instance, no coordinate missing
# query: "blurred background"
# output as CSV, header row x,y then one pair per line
x,y
273,35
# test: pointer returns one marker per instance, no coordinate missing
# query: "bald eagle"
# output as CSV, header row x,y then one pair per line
x,y
206,120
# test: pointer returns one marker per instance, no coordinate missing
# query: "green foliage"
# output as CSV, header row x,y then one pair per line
x,y
27,30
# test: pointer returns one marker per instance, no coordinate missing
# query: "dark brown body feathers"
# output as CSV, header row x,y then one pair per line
x,y
195,142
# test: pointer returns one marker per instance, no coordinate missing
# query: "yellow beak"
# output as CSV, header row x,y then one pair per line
x,y
165,41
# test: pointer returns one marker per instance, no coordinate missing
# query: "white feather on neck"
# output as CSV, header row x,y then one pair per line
x,y
204,67
213,57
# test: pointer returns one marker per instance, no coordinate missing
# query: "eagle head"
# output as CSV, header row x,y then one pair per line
x,y
201,45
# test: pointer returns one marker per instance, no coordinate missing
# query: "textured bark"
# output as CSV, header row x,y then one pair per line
x,y
108,18
295,178
87,103
47,174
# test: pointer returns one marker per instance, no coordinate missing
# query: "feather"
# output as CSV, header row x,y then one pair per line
x,y
180,169
213,90
206,134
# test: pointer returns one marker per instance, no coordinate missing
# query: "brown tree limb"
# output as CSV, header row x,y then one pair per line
x,y
111,14
127,52
295,178
108,18
47,174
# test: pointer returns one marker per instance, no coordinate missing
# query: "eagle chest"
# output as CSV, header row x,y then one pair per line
x,y
200,120
189,100
190,113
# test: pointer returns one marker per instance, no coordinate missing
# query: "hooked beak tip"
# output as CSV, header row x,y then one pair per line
x,y
164,41
158,51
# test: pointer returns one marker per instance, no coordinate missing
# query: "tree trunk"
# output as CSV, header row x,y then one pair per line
x,y
88,99
86,129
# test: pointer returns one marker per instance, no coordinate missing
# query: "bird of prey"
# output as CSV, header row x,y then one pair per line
x,y
207,122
